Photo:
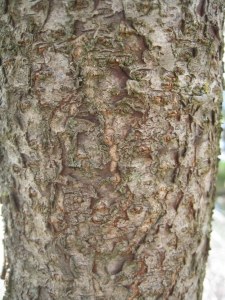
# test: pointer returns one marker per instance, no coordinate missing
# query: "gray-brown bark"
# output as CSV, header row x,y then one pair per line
x,y
109,140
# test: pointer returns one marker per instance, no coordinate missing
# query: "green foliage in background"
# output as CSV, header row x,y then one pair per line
x,y
220,184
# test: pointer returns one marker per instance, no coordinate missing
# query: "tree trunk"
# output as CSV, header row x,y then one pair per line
x,y
110,115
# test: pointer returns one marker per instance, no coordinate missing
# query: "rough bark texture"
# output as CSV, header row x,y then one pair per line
x,y
109,140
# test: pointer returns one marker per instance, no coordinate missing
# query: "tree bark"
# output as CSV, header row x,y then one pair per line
x,y
110,114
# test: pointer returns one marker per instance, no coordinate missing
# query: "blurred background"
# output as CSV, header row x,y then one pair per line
x,y
2,288
214,284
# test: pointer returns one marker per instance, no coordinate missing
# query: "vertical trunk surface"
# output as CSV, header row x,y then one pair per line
x,y
109,140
